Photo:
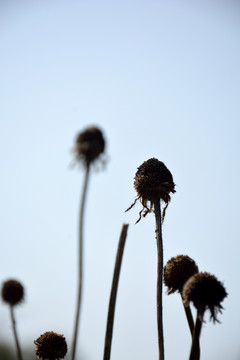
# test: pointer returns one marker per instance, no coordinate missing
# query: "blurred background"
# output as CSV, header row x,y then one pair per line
x,y
161,79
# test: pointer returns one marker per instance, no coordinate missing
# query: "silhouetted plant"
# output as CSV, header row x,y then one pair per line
x,y
153,183
206,292
13,294
89,146
176,272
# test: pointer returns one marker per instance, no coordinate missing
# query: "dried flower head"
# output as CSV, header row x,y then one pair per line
x,y
12,292
153,181
51,346
89,145
177,271
206,292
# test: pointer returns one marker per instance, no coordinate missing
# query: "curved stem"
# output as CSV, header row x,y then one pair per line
x,y
113,296
19,354
80,269
189,316
195,349
158,231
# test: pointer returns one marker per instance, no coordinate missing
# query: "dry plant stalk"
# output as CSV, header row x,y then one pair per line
x,y
113,295
153,182
13,294
206,292
89,145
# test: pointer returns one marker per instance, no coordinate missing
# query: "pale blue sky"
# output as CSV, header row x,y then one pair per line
x,y
161,78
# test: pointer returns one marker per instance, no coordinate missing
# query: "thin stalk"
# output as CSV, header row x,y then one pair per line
x,y
158,230
189,316
191,325
195,352
80,258
113,295
19,353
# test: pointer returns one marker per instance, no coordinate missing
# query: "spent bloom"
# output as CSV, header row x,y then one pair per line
x,y
206,292
51,346
89,145
153,181
12,292
177,271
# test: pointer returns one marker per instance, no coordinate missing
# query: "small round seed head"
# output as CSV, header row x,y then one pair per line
x,y
89,145
51,346
153,181
177,271
12,292
206,292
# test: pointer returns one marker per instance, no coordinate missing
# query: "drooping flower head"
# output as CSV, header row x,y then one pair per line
x,y
177,271
51,346
153,181
89,145
206,292
12,292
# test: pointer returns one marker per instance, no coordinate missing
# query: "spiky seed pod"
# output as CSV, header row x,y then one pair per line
x,y
12,292
89,145
152,181
177,271
51,346
206,292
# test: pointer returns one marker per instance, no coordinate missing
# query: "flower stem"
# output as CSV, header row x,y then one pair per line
x,y
113,295
191,325
189,316
80,269
19,353
158,230
195,350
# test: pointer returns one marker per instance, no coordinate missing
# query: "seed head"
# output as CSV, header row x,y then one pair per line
x,y
177,271
153,181
51,346
89,145
12,292
206,292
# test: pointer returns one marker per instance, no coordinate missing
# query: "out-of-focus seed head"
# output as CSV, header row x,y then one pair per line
x,y
206,292
12,292
153,181
89,145
51,346
177,271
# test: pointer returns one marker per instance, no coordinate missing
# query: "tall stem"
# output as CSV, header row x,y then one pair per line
x,y
19,354
195,352
158,230
80,259
113,295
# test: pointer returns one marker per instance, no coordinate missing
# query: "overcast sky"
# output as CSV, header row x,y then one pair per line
x,y
161,79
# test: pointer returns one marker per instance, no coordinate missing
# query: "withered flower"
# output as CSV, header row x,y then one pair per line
x,y
206,292
89,145
51,346
12,292
153,181
177,271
